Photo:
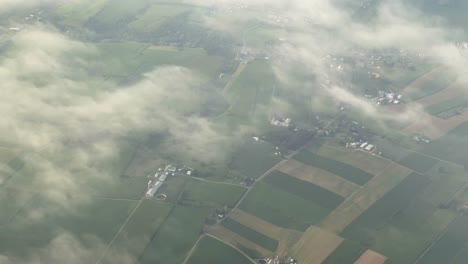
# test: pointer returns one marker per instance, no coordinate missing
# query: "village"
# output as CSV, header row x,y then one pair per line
x,y
159,178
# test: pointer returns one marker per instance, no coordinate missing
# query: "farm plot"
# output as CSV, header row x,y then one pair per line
x,y
176,236
316,245
363,160
392,202
39,222
318,177
252,235
76,13
250,248
346,253
151,20
451,243
305,190
450,147
456,103
253,159
282,208
371,257
208,194
338,168
362,199
138,231
211,250
418,162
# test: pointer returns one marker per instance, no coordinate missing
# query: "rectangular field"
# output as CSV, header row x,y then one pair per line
x,y
282,208
365,161
371,257
450,243
381,211
305,190
209,194
341,169
250,234
418,162
362,199
211,250
253,159
319,177
139,229
346,253
316,245
176,236
247,246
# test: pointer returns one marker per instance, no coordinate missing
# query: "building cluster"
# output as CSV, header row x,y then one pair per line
x,y
386,97
157,180
282,122
421,139
278,260
361,145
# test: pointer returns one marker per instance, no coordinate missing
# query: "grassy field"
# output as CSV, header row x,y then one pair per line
x,y
305,190
138,231
252,235
38,223
453,104
250,94
365,197
154,16
282,208
418,162
346,253
319,177
252,159
207,194
450,147
210,250
436,84
173,240
341,169
77,13
359,159
315,245
385,208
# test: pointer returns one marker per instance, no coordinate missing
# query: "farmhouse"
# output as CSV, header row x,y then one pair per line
x,y
370,147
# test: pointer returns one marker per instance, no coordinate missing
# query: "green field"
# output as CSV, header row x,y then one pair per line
x,y
346,253
305,190
418,162
208,194
153,18
139,229
210,250
171,243
341,169
38,223
282,208
450,244
251,234
386,207
454,106
450,147
250,94
77,13
252,159
435,85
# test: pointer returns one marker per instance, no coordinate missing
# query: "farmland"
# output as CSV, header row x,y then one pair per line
x,y
305,190
175,237
210,250
418,162
207,194
344,170
252,235
346,253
282,208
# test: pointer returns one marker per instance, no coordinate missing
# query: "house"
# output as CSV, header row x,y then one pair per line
x,y
363,145
162,178
370,147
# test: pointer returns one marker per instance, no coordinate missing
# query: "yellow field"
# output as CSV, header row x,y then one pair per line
x,y
316,245
235,239
362,199
371,257
319,177
286,237
359,159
